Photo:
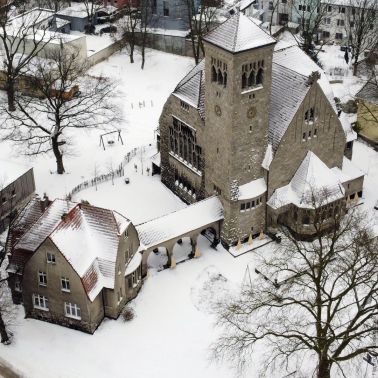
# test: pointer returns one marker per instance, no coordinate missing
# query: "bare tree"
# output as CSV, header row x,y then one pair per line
x,y
128,26
200,22
22,38
4,310
92,7
71,100
55,5
361,27
146,18
311,15
318,299
367,99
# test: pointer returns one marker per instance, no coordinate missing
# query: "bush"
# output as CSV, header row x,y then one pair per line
x,y
357,127
128,314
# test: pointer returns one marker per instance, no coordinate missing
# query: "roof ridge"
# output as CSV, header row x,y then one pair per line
x,y
290,69
237,30
175,211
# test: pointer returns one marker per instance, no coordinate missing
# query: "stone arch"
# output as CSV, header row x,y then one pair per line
x,y
251,79
157,258
182,250
244,80
220,77
260,77
214,76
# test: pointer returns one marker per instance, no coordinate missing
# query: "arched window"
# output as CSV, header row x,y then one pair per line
x,y
220,77
225,79
260,77
251,79
213,74
244,80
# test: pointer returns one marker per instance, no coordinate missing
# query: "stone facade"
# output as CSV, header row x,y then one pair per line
x,y
231,120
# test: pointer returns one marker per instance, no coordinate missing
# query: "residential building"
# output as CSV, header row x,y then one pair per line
x,y
17,186
75,264
256,126
340,20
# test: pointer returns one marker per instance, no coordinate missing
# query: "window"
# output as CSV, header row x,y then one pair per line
x,y
40,302
339,35
283,1
309,134
329,8
242,207
165,8
253,204
184,106
65,282
3,200
326,34
218,72
304,136
310,115
351,23
340,23
327,21
341,10
248,206
13,192
72,310
300,7
42,279
252,75
315,132
50,258
136,277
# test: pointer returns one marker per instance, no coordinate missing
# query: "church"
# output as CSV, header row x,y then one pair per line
x,y
255,123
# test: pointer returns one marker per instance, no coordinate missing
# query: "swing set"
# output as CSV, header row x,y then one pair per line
x,y
109,138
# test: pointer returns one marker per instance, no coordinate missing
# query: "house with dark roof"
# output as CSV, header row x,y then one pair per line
x,y
74,264
246,123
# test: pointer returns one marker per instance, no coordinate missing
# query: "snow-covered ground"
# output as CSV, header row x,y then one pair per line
x,y
141,94
173,328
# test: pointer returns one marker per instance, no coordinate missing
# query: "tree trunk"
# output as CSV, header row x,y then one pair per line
x,y
355,67
324,369
11,94
58,156
132,52
3,331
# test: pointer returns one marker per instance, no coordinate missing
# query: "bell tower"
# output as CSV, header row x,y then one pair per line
x,y
238,71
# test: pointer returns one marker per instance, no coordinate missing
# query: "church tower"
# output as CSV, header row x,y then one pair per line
x,y
238,76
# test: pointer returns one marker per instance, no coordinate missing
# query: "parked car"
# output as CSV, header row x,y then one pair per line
x,y
344,48
108,29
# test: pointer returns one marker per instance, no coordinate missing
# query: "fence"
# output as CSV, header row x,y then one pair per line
x,y
119,172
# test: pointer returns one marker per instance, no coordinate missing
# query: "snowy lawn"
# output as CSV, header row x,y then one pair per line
x,y
142,94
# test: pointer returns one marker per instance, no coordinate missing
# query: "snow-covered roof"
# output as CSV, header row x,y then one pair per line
x,y
268,157
10,172
180,222
88,237
348,172
32,17
244,4
295,59
312,182
156,159
134,263
75,10
252,189
289,88
191,88
239,33
45,225
350,134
